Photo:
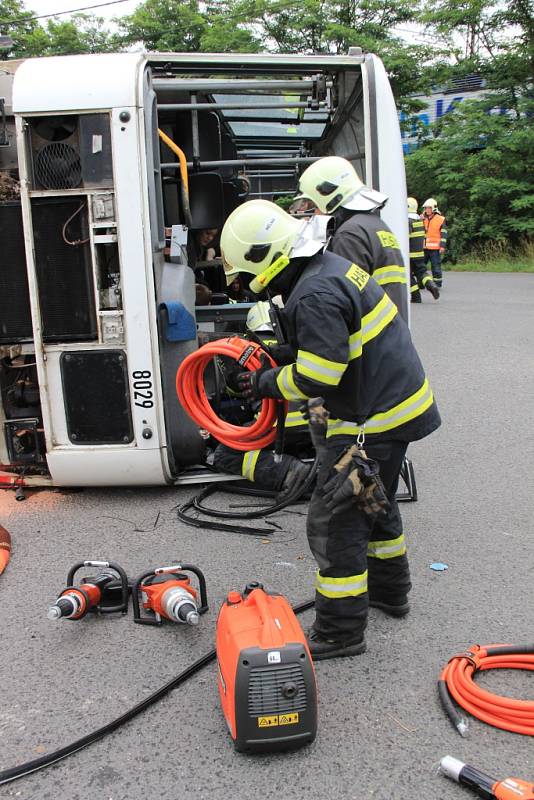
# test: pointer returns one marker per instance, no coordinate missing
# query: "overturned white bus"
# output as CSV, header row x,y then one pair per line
x,y
88,353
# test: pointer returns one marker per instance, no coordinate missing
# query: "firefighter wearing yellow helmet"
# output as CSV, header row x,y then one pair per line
x,y
350,347
360,235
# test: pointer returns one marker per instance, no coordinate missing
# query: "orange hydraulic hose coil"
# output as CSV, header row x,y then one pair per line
x,y
192,394
507,713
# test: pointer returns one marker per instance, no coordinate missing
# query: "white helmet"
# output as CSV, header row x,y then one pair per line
x,y
430,203
332,182
412,205
258,318
259,237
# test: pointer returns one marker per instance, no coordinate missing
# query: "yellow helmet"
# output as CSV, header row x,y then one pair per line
x,y
332,182
259,237
412,205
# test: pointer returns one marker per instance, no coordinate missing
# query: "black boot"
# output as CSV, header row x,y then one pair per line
x,y
416,297
322,648
433,289
399,608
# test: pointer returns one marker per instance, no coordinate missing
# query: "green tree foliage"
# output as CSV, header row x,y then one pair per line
x,y
27,35
78,34
475,160
165,26
226,30
477,171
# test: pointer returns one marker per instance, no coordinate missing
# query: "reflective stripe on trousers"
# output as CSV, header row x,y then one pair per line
x,y
337,588
389,548
250,460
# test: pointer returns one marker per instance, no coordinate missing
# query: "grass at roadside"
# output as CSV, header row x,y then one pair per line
x,y
495,257
499,265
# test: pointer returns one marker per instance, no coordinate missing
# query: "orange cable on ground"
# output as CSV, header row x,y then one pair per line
x,y
5,548
192,394
457,682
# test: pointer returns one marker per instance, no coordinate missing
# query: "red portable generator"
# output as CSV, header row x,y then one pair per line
x,y
266,676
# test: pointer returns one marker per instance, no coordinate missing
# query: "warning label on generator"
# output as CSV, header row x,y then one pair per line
x,y
278,719
288,719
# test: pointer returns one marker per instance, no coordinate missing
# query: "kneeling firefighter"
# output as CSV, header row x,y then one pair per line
x,y
287,473
352,348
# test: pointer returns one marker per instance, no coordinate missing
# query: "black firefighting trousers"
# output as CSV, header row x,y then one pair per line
x,y
358,555
419,277
255,465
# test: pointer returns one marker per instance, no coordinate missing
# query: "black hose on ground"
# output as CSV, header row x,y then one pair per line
x,y
13,773
262,511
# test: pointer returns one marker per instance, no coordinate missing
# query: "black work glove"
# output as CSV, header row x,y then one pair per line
x,y
356,482
248,382
281,353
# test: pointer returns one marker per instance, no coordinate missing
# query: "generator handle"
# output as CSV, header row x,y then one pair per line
x,y
259,598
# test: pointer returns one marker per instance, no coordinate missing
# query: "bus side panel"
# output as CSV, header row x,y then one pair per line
x,y
387,160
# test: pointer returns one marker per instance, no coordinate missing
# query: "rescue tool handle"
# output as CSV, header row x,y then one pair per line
x,y
123,605
138,584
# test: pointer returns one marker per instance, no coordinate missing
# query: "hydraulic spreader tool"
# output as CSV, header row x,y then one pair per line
x,y
266,677
104,592
167,593
484,785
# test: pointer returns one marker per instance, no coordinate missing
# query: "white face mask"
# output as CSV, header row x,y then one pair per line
x,y
313,236
366,200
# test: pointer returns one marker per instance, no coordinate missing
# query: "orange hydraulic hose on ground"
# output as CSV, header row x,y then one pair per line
x,y
5,548
192,395
456,681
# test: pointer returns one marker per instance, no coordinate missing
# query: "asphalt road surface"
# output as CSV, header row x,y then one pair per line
x,y
381,729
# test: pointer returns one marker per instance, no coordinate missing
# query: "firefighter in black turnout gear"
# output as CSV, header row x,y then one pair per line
x,y
420,278
360,236
351,347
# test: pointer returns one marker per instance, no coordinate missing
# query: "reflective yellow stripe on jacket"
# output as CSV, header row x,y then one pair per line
x,y
319,369
338,588
294,419
287,386
373,323
390,548
250,460
390,274
322,370
410,408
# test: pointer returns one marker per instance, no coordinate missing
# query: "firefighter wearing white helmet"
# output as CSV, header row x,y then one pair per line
x,y
419,277
360,235
435,238
350,347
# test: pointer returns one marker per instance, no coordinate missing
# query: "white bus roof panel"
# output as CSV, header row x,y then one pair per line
x,y
88,82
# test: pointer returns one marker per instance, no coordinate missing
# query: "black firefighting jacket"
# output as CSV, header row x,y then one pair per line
x,y
417,240
364,239
352,348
